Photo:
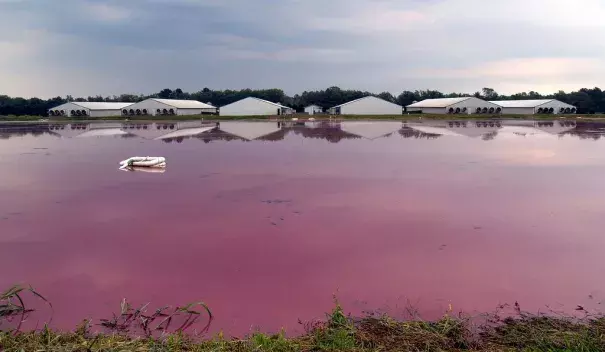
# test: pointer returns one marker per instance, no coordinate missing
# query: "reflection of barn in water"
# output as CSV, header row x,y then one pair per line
x,y
328,131
8,134
524,128
371,130
217,135
485,129
84,130
167,130
275,136
253,130
407,132
587,130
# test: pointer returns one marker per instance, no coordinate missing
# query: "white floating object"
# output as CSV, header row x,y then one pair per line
x,y
159,170
144,161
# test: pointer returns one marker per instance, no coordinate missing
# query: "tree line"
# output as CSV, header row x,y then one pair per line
x,y
587,100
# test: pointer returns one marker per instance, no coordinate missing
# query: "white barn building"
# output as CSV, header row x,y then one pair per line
x,y
537,106
85,108
369,105
462,105
314,109
158,107
252,106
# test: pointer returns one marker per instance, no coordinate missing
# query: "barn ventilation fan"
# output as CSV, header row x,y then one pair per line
x,y
165,112
539,110
573,110
51,113
131,112
484,110
138,111
171,111
78,113
144,111
567,110
84,113
464,110
62,112
491,110
457,110
73,112
498,110
561,110
124,112
551,110
478,111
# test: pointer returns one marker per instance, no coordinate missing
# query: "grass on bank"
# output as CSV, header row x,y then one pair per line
x,y
342,333
517,331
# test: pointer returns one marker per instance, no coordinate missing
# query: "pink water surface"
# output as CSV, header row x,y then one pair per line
x,y
267,232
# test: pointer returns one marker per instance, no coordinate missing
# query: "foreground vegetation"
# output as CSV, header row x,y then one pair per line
x,y
342,333
504,330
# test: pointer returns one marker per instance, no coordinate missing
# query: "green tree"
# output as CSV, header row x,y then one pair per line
x,y
387,96
165,93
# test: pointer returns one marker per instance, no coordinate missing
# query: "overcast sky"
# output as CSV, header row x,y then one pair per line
x,y
89,47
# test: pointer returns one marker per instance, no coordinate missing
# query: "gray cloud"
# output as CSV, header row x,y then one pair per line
x,y
87,47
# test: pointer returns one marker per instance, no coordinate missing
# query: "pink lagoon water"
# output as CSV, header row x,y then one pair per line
x,y
267,231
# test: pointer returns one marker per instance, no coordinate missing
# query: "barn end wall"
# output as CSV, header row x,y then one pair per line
x,y
248,107
371,106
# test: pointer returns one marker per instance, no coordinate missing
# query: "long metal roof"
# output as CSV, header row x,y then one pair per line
x,y
184,104
437,102
270,102
532,103
101,105
261,100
